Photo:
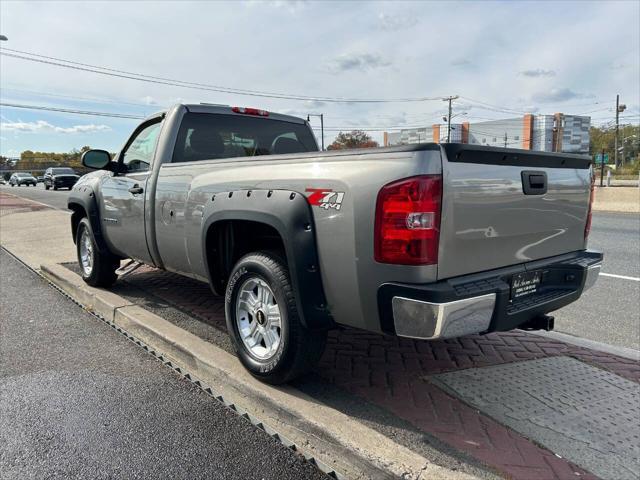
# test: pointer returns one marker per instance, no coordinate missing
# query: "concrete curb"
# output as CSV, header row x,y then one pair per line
x,y
348,446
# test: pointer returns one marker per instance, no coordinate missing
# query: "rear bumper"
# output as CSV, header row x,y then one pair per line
x,y
481,303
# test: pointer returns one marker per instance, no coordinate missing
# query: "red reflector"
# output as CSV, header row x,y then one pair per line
x,y
587,227
250,111
407,226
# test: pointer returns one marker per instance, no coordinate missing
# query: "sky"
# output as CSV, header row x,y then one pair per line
x,y
501,58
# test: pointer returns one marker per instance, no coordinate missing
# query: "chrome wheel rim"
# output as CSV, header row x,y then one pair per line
x,y
258,318
86,252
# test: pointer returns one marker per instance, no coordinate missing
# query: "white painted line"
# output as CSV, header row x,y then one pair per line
x,y
39,203
623,277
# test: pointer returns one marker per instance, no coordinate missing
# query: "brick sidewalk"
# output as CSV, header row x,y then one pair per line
x,y
393,373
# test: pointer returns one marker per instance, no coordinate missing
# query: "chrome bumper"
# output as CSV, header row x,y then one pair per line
x,y
428,321
593,271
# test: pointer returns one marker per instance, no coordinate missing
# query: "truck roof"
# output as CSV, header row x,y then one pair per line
x,y
227,110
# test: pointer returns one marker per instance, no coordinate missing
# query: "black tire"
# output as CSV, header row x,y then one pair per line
x,y
300,348
103,269
46,187
55,188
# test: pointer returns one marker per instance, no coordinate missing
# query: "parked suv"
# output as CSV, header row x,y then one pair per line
x,y
60,177
18,179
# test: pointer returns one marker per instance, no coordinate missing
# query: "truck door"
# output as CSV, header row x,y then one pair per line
x,y
125,194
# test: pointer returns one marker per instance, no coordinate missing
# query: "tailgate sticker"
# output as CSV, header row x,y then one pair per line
x,y
325,198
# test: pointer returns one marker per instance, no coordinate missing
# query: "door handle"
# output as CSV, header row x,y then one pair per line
x,y
136,189
534,183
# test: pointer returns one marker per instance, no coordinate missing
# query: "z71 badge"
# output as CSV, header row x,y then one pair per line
x,y
325,198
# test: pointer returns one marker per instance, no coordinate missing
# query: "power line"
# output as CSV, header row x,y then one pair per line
x,y
82,99
72,111
44,59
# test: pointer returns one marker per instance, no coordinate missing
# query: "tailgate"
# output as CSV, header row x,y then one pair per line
x,y
488,221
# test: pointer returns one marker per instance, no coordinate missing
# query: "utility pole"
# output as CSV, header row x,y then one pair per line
x,y
619,110
449,99
505,139
615,148
602,169
321,125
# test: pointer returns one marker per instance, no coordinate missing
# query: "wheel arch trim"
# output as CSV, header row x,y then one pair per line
x,y
82,200
289,213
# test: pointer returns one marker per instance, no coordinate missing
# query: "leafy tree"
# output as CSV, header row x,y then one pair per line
x,y
603,138
40,161
353,139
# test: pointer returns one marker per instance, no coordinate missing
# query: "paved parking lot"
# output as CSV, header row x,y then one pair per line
x,y
78,400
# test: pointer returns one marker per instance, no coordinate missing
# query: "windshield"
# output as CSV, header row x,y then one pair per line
x,y
205,136
63,171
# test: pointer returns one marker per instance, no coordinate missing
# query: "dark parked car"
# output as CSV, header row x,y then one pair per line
x,y
60,177
18,179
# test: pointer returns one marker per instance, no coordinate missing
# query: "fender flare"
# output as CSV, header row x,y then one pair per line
x,y
84,198
289,213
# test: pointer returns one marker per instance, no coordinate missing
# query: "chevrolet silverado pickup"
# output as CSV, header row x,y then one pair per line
x,y
423,241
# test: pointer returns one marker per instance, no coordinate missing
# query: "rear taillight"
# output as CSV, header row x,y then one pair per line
x,y
250,111
587,227
407,225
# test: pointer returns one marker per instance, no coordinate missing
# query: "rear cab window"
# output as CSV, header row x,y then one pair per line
x,y
209,136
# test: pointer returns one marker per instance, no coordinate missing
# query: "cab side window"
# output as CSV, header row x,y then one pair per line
x,y
138,156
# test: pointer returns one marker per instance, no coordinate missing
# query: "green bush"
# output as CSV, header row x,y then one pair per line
x,y
630,169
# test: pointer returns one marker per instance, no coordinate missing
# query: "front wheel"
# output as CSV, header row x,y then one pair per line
x,y
46,187
97,269
264,324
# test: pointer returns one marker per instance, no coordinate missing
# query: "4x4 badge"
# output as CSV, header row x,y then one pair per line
x,y
325,198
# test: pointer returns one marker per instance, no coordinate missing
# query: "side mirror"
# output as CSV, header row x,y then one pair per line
x,y
96,159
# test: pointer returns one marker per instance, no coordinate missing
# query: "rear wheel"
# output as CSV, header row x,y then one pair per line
x,y
263,321
97,269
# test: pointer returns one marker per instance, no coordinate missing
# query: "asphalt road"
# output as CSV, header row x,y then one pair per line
x,y
610,311
56,199
607,313
78,400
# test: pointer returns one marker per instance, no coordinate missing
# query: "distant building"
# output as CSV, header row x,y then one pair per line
x,y
549,133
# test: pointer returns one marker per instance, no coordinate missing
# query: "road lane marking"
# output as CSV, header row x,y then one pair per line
x,y
623,277
36,201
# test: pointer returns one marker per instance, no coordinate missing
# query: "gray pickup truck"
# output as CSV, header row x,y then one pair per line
x,y
424,241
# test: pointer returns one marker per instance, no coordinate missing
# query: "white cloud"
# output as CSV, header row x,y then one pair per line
x,y
461,62
557,95
357,61
149,100
43,126
406,51
314,104
538,72
396,22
